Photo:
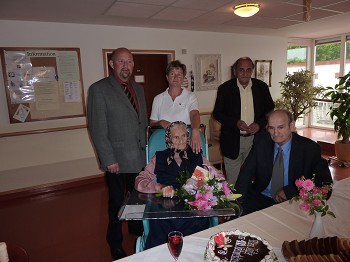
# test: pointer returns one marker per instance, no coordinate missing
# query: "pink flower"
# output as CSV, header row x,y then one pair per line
x,y
308,184
202,201
316,202
313,198
303,194
226,189
205,189
305,206
299,182
324,191
200,183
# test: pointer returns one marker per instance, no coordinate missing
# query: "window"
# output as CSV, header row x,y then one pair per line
x,y
327,72
347,55
296,61
327,62
296,58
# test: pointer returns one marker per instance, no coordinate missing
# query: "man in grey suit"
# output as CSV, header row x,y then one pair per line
x,y
117,121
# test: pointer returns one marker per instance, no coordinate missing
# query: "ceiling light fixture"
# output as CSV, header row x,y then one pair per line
x,y
246,10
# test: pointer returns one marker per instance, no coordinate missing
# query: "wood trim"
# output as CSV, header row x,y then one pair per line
x,y
39,131
51,188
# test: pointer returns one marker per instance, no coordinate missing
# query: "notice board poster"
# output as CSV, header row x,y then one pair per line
x,y
42,83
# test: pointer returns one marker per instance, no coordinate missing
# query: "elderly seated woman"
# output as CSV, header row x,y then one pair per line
x,y
160,175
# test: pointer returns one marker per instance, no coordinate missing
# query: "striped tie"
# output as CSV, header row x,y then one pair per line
x,y
128,94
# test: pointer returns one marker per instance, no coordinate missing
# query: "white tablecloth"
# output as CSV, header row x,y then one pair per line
x,y
275,224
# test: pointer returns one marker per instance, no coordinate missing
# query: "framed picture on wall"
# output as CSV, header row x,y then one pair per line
x,y
208,72
263,70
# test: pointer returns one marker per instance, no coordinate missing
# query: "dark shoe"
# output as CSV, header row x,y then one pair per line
x,y
118,253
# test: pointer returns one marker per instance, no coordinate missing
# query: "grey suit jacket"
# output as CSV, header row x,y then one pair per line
x,y
117,131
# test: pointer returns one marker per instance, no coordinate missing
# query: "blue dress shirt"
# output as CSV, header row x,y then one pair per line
x,y
286,153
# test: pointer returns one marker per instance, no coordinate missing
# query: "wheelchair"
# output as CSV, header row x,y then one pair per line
x,y
156,142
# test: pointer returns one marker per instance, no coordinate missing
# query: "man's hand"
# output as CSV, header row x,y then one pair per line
x,y
114,168
253,128
196,141
242,125
280,196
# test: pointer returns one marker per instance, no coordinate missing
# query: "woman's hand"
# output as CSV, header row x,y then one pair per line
x,y
196,142
168,191
164,123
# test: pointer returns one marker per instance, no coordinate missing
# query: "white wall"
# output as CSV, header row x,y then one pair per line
x,y
50,148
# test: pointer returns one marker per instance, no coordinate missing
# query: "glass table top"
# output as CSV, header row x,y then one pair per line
x,y
138,206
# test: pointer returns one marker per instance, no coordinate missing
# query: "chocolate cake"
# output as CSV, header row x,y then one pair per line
x,y
235,246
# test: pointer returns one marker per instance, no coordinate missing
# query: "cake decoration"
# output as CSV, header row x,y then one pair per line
x,y
237,246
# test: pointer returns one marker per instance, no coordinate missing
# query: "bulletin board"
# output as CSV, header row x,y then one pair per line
x,y
42,84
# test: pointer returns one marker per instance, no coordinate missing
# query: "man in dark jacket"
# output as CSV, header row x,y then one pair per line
x,y
241,107
301,156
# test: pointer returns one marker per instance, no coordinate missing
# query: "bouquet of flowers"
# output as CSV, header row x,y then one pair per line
x,y
313,198
204,190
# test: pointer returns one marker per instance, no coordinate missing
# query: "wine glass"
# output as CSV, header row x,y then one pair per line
x,y
175,242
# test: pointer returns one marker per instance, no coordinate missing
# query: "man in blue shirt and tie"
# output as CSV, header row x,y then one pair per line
x,y
262,181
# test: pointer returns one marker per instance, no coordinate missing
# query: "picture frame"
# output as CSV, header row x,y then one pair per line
x,y
263,71
208,72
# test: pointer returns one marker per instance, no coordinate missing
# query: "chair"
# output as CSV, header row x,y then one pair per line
x,y
215,156
156,142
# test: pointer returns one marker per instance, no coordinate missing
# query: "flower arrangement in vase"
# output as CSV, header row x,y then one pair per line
x,y
313,198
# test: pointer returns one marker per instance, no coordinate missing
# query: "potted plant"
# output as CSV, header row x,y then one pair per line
x,y
340,114
298,93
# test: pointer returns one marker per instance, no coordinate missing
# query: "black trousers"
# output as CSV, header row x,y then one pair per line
x,y
255,202
118,186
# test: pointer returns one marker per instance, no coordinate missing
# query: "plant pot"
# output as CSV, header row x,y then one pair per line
x,y
342,151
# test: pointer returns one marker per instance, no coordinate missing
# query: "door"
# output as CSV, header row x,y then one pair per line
x,y
149,71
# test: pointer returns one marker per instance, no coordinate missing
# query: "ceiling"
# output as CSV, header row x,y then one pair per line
x,y
275,18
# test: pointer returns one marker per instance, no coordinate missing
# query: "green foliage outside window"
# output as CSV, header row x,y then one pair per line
x,y
324,52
